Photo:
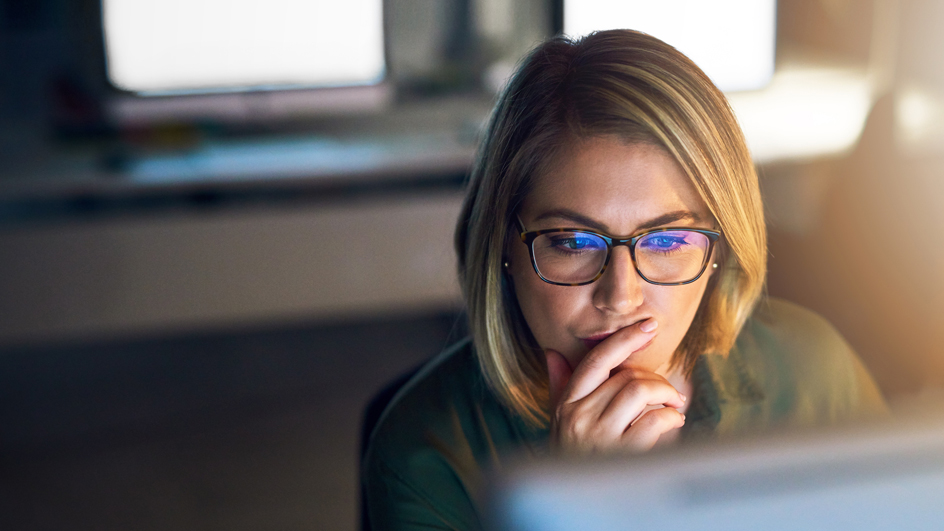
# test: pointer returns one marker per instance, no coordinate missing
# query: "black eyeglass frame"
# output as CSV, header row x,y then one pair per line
x,y
528,237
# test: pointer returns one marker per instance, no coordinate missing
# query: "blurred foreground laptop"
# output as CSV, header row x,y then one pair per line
x,y
879,476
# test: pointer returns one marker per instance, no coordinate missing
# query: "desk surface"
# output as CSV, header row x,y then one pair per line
x,y
412,141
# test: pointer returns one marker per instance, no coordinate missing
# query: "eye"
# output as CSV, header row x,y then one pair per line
x,y
663,242
572,242
577,241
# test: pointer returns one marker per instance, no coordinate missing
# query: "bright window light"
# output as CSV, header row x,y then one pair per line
x,y
804,113
194,46
731,40
919,119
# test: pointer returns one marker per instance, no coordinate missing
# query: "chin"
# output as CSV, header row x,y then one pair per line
x,y
651,357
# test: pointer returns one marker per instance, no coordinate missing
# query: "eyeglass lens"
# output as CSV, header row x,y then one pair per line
x,y
573,257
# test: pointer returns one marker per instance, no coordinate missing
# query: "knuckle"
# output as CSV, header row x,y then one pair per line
x,y
649,420
624,376
581,410
634,373
564,411
569,433
581,425
662,419
635,387
567,422
580,430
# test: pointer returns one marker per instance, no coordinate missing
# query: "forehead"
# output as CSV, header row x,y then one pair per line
x,y
620,185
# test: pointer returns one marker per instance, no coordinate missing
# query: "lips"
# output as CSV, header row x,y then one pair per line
x,y
593,341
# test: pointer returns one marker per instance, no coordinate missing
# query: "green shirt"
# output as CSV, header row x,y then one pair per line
x,y
428,455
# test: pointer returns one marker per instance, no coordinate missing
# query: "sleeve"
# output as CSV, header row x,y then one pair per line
x,y
430,453
820,377
856,396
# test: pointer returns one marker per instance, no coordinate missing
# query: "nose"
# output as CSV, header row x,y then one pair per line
x,y
619,290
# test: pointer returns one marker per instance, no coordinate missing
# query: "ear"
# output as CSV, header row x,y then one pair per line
x,y
509,250
716,260
506,266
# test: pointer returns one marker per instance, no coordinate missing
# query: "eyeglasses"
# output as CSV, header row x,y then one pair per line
x,y
574,257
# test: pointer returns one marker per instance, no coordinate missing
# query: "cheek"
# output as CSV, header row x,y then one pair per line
x,y
674,307
678,306
548,309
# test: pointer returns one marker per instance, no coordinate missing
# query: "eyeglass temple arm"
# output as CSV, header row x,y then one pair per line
x,y
521,228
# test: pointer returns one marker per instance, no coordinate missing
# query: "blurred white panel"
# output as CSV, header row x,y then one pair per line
x,y
804,113
174,46
865,478
919,119
733,41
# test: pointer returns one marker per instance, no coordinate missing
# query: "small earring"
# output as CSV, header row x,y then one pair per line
x,y
506,265
714,265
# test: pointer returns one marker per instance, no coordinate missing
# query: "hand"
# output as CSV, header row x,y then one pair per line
x,y
596,409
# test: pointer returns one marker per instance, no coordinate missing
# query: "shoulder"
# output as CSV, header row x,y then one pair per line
x,y
427,456
807,370
793,336
444,391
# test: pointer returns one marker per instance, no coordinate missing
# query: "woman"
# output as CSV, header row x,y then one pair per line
x,y
612,255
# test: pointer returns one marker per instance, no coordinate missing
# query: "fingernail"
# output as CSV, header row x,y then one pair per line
x,y
683,417
683,397
648,325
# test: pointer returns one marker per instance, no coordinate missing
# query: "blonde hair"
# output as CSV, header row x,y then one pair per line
x,y
638,88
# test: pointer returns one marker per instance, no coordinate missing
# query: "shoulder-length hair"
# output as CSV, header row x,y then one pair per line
x,y
640,89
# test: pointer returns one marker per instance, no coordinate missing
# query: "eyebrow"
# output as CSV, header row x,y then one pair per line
x,y
580,219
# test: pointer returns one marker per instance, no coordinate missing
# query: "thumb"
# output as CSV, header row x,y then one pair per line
x,y
558,374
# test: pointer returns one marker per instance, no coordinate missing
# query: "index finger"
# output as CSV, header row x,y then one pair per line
x,y
595,368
